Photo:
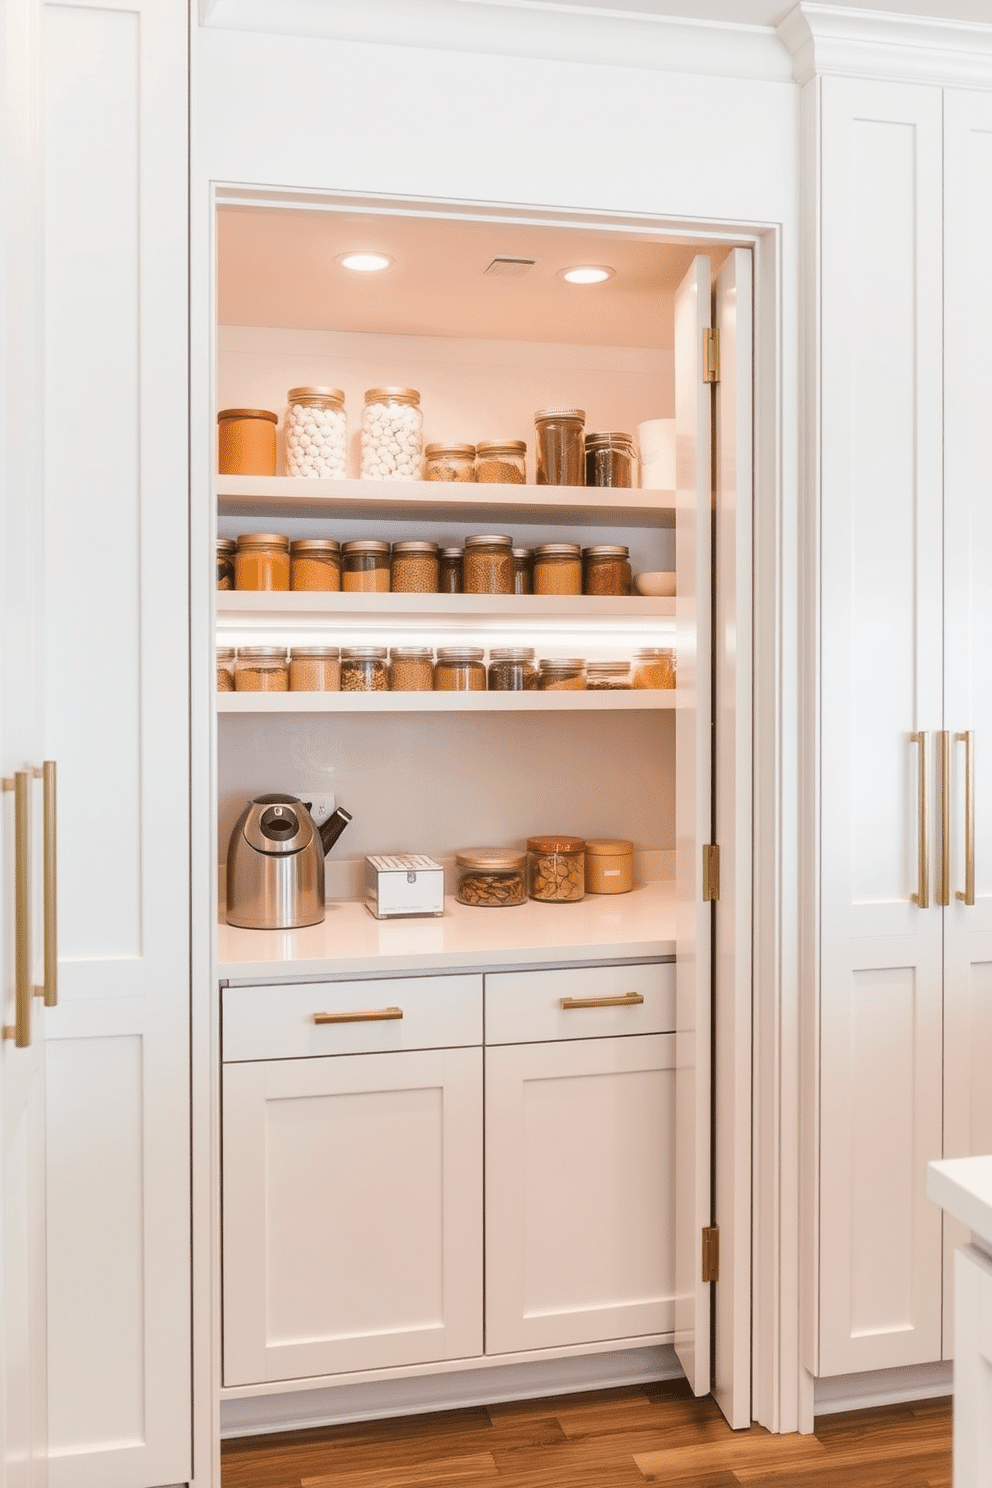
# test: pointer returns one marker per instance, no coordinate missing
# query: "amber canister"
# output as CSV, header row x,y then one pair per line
x,y
246,441
609,865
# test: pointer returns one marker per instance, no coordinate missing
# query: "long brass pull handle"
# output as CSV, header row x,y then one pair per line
x,y
366,1015
21,1031
968,739
944,888
49,989
922,896
628,999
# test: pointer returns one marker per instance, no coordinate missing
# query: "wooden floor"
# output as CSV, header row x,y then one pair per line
x,y
606,1439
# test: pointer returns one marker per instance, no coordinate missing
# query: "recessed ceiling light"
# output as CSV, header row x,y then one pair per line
x,y
587,274
364,263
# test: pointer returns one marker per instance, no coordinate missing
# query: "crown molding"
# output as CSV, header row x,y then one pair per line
x,y
521,28
829,39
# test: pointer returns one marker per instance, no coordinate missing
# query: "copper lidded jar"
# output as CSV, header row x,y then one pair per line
x,y
449,462
609,865
610,460
501,464
558,568
261,669
606,570
315,564
415,568
556,869
392,434
560,452
246,441
365,567
487,564
491,877
261,561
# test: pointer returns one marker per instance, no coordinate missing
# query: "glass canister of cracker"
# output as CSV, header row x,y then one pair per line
x,y
491,877
556,868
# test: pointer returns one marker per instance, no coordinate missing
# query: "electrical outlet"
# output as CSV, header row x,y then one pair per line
x,y
321,803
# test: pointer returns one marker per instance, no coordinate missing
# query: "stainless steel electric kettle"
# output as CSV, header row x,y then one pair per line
x,y
275,864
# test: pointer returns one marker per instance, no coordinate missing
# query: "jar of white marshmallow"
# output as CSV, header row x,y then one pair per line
x,y
392,434
316,432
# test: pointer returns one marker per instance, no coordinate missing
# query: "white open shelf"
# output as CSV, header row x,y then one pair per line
x,y
447,702
238,608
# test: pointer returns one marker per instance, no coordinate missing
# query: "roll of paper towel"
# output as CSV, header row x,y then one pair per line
x,y
656,440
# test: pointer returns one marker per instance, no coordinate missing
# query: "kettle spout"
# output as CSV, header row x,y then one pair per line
x,y
332,828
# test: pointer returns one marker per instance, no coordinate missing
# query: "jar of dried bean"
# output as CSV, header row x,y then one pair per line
x,y
608,676
610,460
364,669
246,441
563,674
523,571
411,669
501,463
487,566
558,568
392,434
491,877
415,568
226,548
261,669
459,669
449,579
512,669
556,868
450,462
365,567
609,865
315,669
225,668
315,564
654,666
560,454
261,561
316,431
606,569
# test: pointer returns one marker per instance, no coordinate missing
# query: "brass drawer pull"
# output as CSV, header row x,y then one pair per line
x,y
366,1015
628,999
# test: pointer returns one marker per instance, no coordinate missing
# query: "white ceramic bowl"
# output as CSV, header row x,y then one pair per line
x,y
659,584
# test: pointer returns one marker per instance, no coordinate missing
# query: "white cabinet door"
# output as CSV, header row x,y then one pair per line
x,y
881,650
352,1213
116,703
580,1189
968,641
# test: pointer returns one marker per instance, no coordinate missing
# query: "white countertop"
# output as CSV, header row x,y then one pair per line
x,y
602,927
963,1186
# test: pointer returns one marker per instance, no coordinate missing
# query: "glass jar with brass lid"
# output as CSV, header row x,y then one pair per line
x,y
315,669
558,568
225,668
246,441
501,463
365,566
315,564
415,568
316,433
491,877
556,868
523,570
606,570
608,676
459,669
261,561
449,462
450,571
411,669
560,453
487,564
364,669
611,460
609,865
261,669
226,549
654,666
562,674
512,669
392,434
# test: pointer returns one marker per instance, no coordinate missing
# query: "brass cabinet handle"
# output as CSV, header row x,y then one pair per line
x,y
49,989
21,1031
922,896
968,739
366,1015
944,888
628,999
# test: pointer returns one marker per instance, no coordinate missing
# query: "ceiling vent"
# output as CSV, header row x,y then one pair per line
x,y
509,268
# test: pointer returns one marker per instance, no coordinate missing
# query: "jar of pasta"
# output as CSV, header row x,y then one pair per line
x,y
606,569
560,455
316,432
449,579
225,668
392,434
246,441
609,865
450,462
415,568
558,568
556,868
459,669
487,565
261,561
491,877
411,669
315,564
364,669
226,548
501,463
365,567
261,669
562,674
314,669
654,666
512,669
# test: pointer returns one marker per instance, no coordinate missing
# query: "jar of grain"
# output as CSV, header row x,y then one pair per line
x,y
365,567
392,434
558,568
610,460
560,455
491,877
415,568
563,674
261,561
450,462
246,441
411,669
608,676
315,669
654,666
459,669
501,463
226,548
225,668
315,564
523,571
606,570
487,565
364,669
556,868
512,669
449,580
261,669
316,431
609,865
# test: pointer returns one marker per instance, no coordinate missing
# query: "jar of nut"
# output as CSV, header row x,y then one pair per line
x,y
512,669
315,564
364,669
556,868
365,567
261,669
487,566
450,462
491,877
226,548
558,568
225,668
261,561
606,569
523,571
459,669
411,669
608,676
654,666
315,669
501,463
316,431
450,571
392,434
415,568
562,674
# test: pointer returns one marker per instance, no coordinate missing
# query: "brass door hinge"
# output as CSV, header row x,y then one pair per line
x,y
711,354
711,1254
711,872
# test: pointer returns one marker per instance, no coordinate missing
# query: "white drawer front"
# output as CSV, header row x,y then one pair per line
x,y
530,1006
288,1022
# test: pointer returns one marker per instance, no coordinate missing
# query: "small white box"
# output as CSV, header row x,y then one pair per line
x,y
403,884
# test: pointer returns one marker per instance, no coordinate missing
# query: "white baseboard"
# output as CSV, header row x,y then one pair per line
x,y
302,1410
845,1392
